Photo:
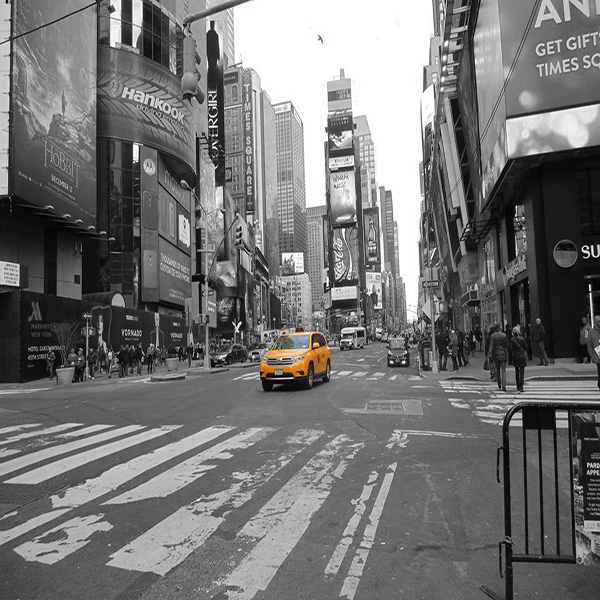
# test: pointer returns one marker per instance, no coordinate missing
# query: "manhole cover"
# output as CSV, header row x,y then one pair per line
x,y
406,406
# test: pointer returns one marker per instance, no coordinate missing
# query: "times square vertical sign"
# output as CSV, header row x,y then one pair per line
x,y
248,117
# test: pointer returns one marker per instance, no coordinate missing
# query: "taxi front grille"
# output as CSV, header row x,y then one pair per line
x,y
279,361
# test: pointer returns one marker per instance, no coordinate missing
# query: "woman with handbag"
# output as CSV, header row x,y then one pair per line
x,y
518,347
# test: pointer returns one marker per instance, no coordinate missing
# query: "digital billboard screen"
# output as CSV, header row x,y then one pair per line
x,y
292,263
371,234
342,196
340,135
373,283
174,274
54,104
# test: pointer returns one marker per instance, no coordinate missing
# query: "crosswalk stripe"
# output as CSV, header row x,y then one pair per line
x,y
72,462
110,480
12,428
168,543
176,478
282,521
60,542
376,376
17,464
41,432
343,373
359,374
362,552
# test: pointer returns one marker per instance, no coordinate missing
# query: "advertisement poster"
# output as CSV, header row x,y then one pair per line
x,y
345,255
585,427
215,104
174,274
340,135
43,315
373,282
342,193
54,107
292,263
339,96
140,101
371,237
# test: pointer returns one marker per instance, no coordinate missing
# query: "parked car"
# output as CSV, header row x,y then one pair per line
x,y
227,354
257,353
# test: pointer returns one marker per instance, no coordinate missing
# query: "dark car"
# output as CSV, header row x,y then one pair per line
x,y
398,353
227,354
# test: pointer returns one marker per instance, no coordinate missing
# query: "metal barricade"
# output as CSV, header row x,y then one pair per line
x,y
538,487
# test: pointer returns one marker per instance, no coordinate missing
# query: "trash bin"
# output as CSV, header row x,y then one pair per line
x,y
424,354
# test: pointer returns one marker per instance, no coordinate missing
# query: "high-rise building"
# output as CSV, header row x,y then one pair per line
x,y
225,27
296,300
387,228
291,182
396,268
366,155
315,260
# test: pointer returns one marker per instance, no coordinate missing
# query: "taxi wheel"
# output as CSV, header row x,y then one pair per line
x,y
327,375
310,378
267,385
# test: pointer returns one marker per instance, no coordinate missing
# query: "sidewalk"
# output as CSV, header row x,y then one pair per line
x,y
554,371
160,374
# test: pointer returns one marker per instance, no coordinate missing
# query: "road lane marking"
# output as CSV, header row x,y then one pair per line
x,y
171,541
64,465
247,376
13,428
359,374
398,438
343,373
41,432
30,391
16,464
375,376
177,477
58,543
360,505
281,523
362,553
109,481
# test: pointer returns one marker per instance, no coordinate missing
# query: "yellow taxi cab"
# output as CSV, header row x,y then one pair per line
x,y
299,356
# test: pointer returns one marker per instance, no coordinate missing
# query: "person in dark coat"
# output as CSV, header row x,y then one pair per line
x,y
499,354
518,352
539,340
123,361
488,339
92,359
131,358
453,349
441,341
139,358
79,366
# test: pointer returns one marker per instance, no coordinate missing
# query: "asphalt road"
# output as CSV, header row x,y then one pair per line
x,y
377,485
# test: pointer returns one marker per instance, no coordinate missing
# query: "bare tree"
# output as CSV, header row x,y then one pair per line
x,y
67,334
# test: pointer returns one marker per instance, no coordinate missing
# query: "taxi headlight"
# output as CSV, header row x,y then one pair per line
x,y
297,359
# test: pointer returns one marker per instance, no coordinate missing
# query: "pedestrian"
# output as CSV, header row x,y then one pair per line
x,y
163,355
92,358
180,353
102,359
593,345
123,360
189,351
139,358
478,336
442,347
150,357
80,366
453,349
539,340
462,355
131,359
518,352
51,364
111,361
499,354
488,356
508,332
582,349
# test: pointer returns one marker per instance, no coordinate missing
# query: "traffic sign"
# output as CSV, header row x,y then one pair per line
x,y
431,284
210,293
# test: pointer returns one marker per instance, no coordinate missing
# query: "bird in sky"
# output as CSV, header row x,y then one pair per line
x,y
320,38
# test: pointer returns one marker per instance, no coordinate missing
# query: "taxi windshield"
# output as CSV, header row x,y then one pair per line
x,y
292,342
396,343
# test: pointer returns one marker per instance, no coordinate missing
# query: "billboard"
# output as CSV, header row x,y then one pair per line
x,y
174,274
339,96
248,142
371,234
340,135
345,255
138,100
215,104
373,283
54,107
292,263
344,293
342,198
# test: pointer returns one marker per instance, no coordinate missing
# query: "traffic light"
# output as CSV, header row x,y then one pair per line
x,y
239,235
190,82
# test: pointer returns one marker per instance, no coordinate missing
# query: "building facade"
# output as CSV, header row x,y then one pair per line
x,y
315,260
291,178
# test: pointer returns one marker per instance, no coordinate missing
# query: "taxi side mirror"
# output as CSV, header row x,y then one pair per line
x,y
316,345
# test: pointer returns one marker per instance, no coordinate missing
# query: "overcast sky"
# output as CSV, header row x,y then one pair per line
x,y
382,46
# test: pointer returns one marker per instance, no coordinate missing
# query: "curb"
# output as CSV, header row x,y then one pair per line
x,y
170,377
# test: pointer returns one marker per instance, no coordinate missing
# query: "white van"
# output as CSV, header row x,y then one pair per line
x,y
353,337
